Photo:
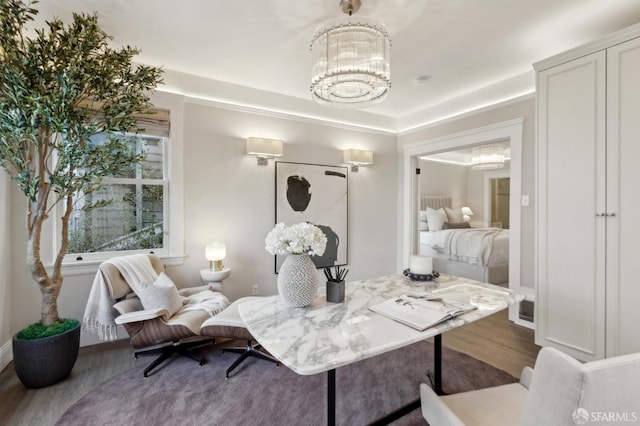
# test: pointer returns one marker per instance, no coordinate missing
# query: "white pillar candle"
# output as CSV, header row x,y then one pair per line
x,y
421,265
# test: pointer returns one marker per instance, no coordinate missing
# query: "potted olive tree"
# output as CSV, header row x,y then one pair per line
x,y
58,88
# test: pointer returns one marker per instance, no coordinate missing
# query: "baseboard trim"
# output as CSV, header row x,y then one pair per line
x,y
524,323
6,354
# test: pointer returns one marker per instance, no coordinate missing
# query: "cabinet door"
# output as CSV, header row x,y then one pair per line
x,y
623,198
570,250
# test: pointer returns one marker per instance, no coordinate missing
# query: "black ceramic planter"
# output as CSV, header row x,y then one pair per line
x,y
43,362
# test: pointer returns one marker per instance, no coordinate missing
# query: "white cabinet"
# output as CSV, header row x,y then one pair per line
x,y
588,195
623,198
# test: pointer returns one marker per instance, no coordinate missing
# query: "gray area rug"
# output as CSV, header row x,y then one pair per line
x,y
258,392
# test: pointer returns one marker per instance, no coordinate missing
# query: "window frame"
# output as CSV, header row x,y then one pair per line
x,y
174,209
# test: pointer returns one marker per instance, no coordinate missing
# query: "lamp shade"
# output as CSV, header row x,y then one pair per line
x,y
265,148
358,157
467,211
215,251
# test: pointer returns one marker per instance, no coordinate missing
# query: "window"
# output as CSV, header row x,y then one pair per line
x,y
163,130
135,215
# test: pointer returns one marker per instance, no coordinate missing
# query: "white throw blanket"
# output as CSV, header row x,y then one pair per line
x,y
99,315
212,302
470,245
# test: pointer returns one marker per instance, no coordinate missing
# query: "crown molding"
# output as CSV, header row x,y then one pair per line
x,y
287,115
217,94
586,49
471,112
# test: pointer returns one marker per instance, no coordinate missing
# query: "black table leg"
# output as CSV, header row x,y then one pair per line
x,y
436,382
437,364
331,397
413,405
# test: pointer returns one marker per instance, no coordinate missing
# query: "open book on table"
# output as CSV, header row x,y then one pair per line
x,y
420,313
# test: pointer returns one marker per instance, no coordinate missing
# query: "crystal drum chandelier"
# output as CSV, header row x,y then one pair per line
x,y
350,61
488,157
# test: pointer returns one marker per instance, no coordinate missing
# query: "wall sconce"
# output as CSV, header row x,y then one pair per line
x,y
466,213
215,252
357,158
264,149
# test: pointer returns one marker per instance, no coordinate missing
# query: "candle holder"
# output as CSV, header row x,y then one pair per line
x,y
420,277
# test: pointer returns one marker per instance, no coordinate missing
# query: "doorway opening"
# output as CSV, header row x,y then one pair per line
x,y
510,131
497,190
499,203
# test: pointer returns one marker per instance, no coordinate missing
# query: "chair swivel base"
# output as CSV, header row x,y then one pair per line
x,y
173,349
247,352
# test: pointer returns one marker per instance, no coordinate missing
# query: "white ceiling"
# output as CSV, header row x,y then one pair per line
x,y
476,52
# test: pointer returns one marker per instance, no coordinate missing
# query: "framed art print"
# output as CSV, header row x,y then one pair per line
x,y
315,194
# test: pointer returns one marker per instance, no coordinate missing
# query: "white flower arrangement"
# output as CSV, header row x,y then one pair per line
x,y
303,238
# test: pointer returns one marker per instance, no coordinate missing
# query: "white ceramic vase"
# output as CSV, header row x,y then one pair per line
x,y
297,280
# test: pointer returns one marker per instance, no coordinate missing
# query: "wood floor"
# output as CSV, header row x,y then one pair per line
x,y
496,341
493,340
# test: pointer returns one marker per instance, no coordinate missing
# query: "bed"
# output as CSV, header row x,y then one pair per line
x,y
476,253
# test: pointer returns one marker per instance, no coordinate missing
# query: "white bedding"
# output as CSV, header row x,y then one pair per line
x,y
478,246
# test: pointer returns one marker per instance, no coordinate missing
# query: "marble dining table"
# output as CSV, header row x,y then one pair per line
x,y
325,336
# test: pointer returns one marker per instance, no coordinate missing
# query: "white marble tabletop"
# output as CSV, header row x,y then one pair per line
x,y
325,335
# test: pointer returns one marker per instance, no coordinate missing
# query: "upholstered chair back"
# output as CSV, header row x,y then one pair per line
x,y
118,287
563,391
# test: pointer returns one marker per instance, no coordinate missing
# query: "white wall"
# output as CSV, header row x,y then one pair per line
x,y
444,179
228,197
526,109
476,196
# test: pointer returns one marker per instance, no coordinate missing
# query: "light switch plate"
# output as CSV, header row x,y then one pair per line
x,y
525,201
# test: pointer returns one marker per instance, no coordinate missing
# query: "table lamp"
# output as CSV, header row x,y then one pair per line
x,y
466,213
215,252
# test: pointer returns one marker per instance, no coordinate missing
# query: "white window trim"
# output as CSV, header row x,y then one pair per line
x,y
174,252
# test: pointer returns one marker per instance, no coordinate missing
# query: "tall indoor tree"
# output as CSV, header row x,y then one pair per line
x,y
59,87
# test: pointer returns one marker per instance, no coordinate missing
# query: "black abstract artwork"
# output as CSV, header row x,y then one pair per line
x,y
315,194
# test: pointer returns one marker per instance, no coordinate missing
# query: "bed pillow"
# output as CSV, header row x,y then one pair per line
x,y
456,225
160,294
436,219
454,216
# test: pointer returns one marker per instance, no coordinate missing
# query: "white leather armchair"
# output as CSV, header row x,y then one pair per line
x,y
560,391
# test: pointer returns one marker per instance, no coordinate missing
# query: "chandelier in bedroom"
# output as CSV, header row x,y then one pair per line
x,y
350,61
487,157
